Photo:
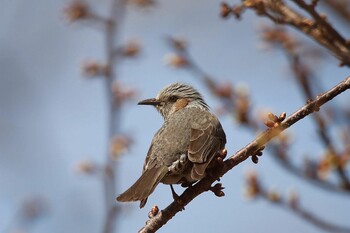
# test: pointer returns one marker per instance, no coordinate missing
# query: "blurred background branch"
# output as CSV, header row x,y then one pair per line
x,y
315,25
116,95
255,190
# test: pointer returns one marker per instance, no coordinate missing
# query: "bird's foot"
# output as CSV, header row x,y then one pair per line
x,y
186,184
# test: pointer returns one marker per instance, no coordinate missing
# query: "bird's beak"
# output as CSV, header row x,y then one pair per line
x,y
152,101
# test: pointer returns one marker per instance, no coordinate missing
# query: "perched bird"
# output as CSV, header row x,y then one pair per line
x,y
183,147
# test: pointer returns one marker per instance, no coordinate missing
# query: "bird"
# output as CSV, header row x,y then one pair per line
x,y
183,148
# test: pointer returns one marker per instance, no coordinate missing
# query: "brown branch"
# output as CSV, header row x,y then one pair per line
x,y
278,37
304,83
303,75
318,28
321,20
251,149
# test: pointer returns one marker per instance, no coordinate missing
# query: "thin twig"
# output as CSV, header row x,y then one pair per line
x,y
281,156
302,213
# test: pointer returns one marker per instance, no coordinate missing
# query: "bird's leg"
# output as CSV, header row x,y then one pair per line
x,y
176,197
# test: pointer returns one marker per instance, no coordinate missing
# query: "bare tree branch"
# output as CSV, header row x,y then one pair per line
x,y
289,45
317,27
251,149
303,75
323,133
255,189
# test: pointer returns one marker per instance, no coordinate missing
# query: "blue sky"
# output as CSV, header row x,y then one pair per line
x,y
51,117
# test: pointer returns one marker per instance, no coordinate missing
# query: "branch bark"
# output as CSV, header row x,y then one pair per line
x,y
317,27
252,148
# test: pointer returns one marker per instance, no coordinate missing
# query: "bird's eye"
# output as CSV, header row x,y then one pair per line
x,y
173,98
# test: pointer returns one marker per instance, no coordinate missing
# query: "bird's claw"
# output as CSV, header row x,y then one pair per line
x,y
186,184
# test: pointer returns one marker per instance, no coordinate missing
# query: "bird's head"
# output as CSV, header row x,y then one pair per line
x,y
175,97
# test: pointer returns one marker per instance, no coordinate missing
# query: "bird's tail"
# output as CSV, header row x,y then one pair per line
x,y
144,186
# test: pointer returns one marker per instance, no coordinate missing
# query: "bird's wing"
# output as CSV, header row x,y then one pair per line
x,y
151,158
145,165
204,144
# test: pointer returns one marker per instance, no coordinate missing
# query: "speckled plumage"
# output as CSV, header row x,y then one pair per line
x,y
183,147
